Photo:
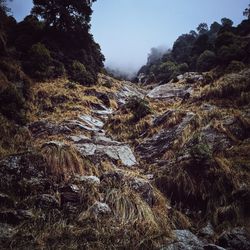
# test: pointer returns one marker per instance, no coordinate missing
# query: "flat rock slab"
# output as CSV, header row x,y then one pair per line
x,y
115,152
91,121
154,148
170,90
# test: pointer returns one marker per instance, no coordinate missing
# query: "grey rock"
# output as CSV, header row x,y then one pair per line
x,y
6,232
185,240
14,217
153,148
92,122
213,247
144,188
93,180
46,201
100,208
44,127
217,141
207,231
79,138
238,238
170,90
5,200
115,152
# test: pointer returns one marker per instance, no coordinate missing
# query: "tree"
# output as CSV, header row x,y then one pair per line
x,y
64,15
202,28
206,61
226,22
247,12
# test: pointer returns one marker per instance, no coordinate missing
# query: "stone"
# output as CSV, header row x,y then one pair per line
x,y
100,209
144,188
237,238
79,138
17,173
6,201
207,231
152,149
213,247
46,201
14,217
91,121
185,240
170,90
43,127
115,152
93,180
216,140
6,232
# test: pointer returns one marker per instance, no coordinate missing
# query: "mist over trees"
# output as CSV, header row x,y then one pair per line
x,y
220,45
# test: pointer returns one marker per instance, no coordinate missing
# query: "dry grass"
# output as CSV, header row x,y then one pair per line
x,y
64,161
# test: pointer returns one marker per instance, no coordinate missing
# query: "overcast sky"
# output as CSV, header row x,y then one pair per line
x,y
127,29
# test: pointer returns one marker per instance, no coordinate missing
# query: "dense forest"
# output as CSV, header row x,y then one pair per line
x,y
222,46
53,41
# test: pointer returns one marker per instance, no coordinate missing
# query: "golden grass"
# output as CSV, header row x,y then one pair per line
x,y
64,161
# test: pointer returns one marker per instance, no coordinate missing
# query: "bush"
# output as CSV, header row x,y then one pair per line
x,y
229,53
206,61
235,66
79,74
12,104
139,107
40,62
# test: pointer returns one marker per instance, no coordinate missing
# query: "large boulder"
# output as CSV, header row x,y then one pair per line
x,y
185,240
170,90
238,238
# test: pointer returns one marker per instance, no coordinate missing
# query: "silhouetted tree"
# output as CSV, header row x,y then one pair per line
x,y
202,28
247,12
226,22
64,15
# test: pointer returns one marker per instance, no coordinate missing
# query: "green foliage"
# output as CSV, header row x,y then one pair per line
x,y
206,61
246,12
64,15
79,74
139,107
12,104
202,28
235,66
39,61
229,53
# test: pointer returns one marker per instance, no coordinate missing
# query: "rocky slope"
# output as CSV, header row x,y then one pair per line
x,y
118,167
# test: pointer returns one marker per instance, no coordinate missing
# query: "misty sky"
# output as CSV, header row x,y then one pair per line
x,y
127,29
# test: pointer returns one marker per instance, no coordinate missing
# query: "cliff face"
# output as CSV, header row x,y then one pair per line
x,y
117,166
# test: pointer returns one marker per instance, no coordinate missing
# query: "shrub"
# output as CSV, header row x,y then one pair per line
x,y
139,107
206,61
235,66
12,104
79,74
40,61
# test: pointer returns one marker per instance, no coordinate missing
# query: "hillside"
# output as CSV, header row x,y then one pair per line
x,y
102,167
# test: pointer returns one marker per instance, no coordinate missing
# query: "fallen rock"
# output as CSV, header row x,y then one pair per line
x,y
14,217
18,172
170,90
185,240
238,238
46,201
144,188
116,152
207,231
100,209
44,127
154,148
6,201
213,247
